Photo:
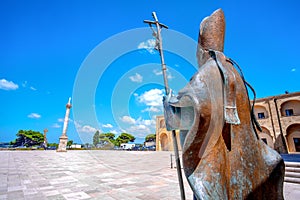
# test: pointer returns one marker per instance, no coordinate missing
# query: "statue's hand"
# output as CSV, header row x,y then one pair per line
x,y
167,97
171,118
170,98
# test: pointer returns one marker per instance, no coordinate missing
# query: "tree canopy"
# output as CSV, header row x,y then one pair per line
x,y
96,138
150,138
110,138
124,138
69,143
28,138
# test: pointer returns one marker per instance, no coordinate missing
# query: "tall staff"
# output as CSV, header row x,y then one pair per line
x,y
158,46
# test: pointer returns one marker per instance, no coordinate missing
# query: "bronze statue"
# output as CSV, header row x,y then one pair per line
x,y
222,155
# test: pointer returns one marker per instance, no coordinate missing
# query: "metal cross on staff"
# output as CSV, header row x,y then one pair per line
x,y
158,46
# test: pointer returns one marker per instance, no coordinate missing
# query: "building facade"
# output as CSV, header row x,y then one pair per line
x,y
278,116
164,141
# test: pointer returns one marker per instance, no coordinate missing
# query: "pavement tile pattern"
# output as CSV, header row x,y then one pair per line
x,y
107,175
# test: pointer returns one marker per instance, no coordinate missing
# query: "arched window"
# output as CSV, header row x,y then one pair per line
x,y
293,137
261,112
162,124
164,142
290,108
266,137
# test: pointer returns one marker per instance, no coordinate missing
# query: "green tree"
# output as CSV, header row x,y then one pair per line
x,y
110,136
124,138
86,145
28,138
52,145
150,138
102,136
69,143
104,142
96,138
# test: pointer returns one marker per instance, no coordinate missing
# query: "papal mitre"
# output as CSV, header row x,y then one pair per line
x,y
212,32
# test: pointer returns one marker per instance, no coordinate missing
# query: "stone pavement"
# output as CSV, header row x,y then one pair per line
x,y
108,175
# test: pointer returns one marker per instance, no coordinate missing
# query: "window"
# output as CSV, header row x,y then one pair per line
x,y
289,112
162,124
297,144
261,115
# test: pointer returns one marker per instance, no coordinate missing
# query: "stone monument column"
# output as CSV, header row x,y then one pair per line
x,y
62,146
45,138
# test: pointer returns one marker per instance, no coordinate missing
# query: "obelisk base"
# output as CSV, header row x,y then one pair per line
x,y
62,146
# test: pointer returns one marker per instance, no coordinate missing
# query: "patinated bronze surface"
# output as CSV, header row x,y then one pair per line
x,y
222,156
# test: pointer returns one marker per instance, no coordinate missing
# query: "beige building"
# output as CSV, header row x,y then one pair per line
x,y
164,141
279,117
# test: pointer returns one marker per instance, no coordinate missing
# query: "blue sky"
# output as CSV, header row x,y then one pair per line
x,y
99,53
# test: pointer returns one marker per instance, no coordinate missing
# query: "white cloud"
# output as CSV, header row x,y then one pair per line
x,y
8,85
33,88
63,119
107,126
56,125
169,76
34,115
139,127
85,128
152,109
152,97
60,122
157,72
25,83
139,121
136,78
113,131
139,130
146,122
149,45
127,119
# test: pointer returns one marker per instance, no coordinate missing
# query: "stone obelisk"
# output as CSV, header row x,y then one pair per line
x,y
45,144
62,146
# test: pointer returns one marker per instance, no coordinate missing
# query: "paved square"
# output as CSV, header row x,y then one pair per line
x,y
108,175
